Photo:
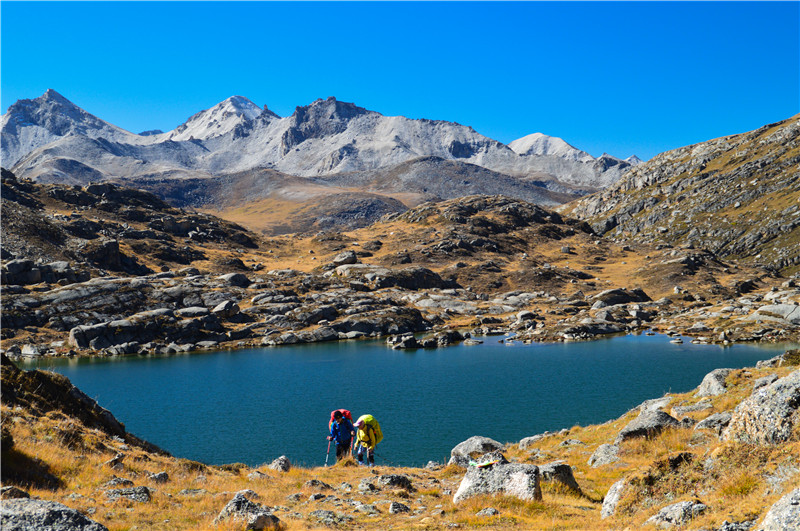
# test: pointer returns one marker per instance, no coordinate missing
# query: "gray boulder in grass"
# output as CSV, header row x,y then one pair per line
x,y
648,424
769,415
25,514
713,383
500,477
475,446
611,499
256,516
677,514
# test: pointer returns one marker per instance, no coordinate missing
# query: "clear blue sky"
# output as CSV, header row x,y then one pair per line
x,y
623,78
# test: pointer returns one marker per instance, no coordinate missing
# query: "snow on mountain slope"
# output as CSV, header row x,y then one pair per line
x,y
30,124
326,137
216,121
541,144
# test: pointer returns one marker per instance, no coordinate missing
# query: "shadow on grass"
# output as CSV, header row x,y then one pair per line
x,y
27,472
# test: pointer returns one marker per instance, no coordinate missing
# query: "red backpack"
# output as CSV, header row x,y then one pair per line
x,y
345,413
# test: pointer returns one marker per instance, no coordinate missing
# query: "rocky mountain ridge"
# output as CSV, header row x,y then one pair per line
x,y
324,138
738,196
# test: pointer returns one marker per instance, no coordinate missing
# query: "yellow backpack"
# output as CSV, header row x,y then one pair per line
x,y
372,422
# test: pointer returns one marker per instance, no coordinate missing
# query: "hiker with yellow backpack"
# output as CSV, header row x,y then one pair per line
x,y
367,437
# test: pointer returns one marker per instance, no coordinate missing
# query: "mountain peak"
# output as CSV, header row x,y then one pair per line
x,y
218,120
541,144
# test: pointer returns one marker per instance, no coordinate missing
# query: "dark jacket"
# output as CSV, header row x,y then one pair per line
x,y
341,432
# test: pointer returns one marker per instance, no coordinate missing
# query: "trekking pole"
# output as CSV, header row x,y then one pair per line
x,y
329,452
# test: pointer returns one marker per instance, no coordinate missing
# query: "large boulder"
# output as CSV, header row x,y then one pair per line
x,y
604,455
24,514
281,464
715,422
502,477
560,472
785,514
256,516
613,297
648,424
769,415
713,383
475,446
677,514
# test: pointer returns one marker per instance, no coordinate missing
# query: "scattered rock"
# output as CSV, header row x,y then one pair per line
x,y
317,484
397,507
329,518
226,309
118,482
11,492
489,511
160,477
235,279
138,494
527,442
400,481
766,380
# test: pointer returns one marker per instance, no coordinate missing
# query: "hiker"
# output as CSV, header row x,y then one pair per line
x,y
368,436
341,431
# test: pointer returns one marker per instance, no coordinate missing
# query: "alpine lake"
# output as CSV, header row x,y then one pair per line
x,y
252,406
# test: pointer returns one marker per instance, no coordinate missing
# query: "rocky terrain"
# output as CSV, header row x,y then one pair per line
x,y
110,271
723,456
737,196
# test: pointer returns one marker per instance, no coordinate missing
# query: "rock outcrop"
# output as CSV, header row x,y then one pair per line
x,y
770,415
785,514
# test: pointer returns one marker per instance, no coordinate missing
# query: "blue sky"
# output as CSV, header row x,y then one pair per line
x,y
623,78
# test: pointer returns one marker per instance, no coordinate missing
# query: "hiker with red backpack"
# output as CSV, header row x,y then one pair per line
x,y
342,431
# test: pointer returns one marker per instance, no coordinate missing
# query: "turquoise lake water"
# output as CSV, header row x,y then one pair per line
x,y
252,406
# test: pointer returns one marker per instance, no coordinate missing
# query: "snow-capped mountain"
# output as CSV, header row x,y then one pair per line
x,y
216,121
50,138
